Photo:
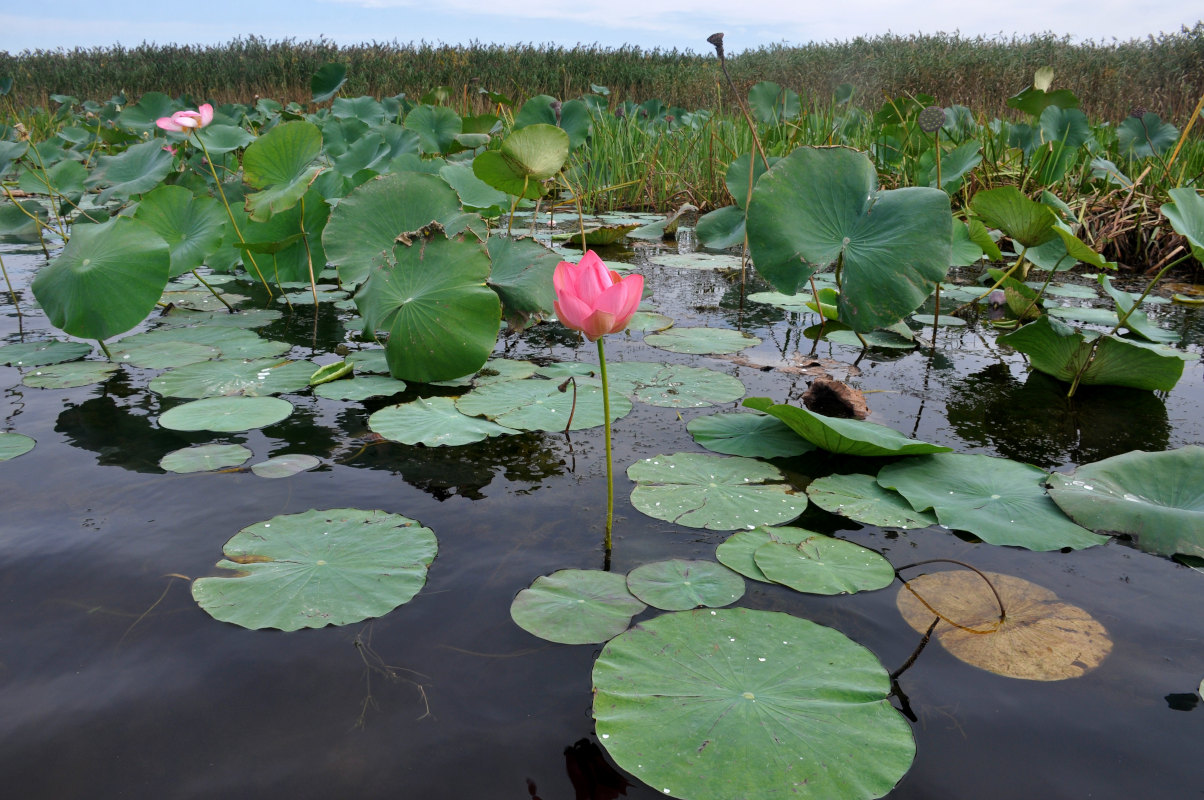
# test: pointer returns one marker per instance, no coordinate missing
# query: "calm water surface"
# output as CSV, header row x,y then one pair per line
x,y
113,683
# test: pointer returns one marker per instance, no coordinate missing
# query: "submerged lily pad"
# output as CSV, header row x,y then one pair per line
x,y
861,498
1040,639
204,458
845,436
329,567
702,341
433,422
576,606
226,414
285,465
823,565
679,585
751,435
40,354
713,492
70,375
714,705
1158,498
999,501
14,444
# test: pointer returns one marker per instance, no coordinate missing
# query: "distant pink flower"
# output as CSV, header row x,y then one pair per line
x,y
186,121
593,299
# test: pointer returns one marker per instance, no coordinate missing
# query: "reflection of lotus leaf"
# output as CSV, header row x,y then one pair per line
x,y
1041,639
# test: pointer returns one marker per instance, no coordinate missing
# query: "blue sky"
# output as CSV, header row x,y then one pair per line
x,y
682,24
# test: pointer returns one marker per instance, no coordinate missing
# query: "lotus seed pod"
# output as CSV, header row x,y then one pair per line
x,y
931,119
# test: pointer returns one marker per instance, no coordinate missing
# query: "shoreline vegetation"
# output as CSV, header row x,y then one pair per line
x,y
1162,74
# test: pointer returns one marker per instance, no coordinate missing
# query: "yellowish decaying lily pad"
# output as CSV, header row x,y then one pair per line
x,y
1040,639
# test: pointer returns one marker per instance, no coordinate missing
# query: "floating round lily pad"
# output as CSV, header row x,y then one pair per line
x,y
369,361
1092,316
576,606
823,565
433,422
845,436
720,704
14,444
285,465
164,354
360,388
329,567
794,303
1040,638
719,493
40,354
945,321
69,375
226,414
233,342
673,385
225,378
680,584
242,318
738,551
751,435
998,500
204,458
696,260
861,498
539,405
702,341
1158,498
649,321
1066,290
886,340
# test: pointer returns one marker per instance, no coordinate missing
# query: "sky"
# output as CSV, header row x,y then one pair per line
x,y
648,24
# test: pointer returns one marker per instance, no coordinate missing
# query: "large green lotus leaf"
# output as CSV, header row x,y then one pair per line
x,y
241,318
751,435
106,280
771,104
1065,126
673,385
1186,215
719,493
285,466
890,339
204,458
65,179
360,388
226,414
576,606
823,565
1058,350
225,378
721,228
193,227
38,354
234,343
432,299
142,115
222,139
737,703
14,444
21,219
738,551
539,405
327,81
11,152
527,157
279,163
329,567
822,207
1158,498
702,341
70,375
1145,136
436,126
475,194
139,169
521,274
998,500
851,437
364,226
1025,221
433,422
679,584
862,499
1137,322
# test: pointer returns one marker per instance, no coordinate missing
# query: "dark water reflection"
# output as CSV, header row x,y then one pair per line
x,y
115,684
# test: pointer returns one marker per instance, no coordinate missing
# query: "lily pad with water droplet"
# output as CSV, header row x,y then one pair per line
x,y
164,354
226,378
1040,639
719,704
329,567
360,388
539,405
284,466
226,414
696,260
369,361
40,354
233,342
14,444
673,385
702,341
738,551
862,499
714,492
576,606
649,321
823,565
204,458
845,436
69,375
1158,498
998,500
680,584
433,422
751,435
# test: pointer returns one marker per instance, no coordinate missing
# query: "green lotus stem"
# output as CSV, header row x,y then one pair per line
x,y
998,283
11,293
222,193
213,291
105,348
610,472
936,314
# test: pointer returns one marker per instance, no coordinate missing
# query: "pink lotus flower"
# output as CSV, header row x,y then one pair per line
x,y
593,299
186,121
